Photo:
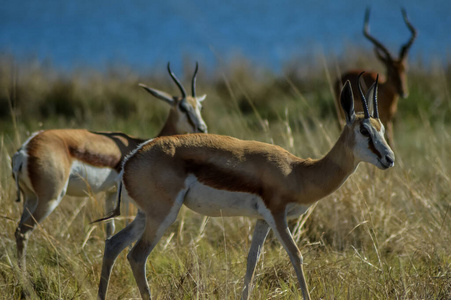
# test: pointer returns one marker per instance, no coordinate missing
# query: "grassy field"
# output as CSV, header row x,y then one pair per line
x,y
383,235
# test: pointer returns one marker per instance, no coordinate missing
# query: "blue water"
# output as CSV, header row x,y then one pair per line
x,y
146,34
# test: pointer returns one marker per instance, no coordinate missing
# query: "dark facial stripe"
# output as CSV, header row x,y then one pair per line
x,y
189,109
377,125
192,119
373,148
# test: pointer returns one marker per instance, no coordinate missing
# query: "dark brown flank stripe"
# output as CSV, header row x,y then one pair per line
x,y
96,159
32,169
33,161
125,144
213,176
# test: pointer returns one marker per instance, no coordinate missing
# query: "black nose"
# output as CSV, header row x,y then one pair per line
x,y
202,128
390,159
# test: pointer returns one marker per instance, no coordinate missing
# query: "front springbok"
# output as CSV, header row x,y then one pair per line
x,y
391,88
223,176
54,163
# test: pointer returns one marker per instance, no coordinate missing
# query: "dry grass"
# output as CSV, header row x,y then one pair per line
x,y
383,235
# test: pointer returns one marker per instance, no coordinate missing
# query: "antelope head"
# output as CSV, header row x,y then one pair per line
x,y
366,129
185,114
396,67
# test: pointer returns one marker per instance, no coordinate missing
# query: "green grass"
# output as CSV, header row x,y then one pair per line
x,y
383,235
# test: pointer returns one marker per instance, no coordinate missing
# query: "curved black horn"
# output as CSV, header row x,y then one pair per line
x,y
362,96
193,82
405,47
177,81
366,32
376,111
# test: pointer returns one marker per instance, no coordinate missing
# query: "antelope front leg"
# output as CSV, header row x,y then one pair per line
x,y
258,238
282,232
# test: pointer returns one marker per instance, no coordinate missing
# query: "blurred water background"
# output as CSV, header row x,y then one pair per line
x,y
146,34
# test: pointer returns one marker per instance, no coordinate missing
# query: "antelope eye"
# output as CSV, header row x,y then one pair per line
x,y
364,131
183,107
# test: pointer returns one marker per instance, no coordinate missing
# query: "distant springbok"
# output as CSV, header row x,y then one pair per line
x,y
54,163
221,176
392,87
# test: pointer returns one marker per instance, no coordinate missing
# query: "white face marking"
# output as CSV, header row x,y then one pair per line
x,y
98,179
199,115
362,150
190,120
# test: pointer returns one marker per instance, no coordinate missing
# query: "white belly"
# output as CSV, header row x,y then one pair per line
x,y
215,203
85,178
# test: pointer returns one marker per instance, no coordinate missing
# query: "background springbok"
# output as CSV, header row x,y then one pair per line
x,y
223,176
53,163
393,86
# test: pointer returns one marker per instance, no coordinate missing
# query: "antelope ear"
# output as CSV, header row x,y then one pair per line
x,y
370,95
159,94
201,98
347,103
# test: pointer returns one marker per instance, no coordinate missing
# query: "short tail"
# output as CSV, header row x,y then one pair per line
x,y
117,211
16,166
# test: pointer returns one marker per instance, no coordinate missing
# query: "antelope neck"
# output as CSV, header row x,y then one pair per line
x,y
319,178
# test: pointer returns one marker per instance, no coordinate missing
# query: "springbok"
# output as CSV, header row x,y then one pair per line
x,y
222,176
391,88
54,163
